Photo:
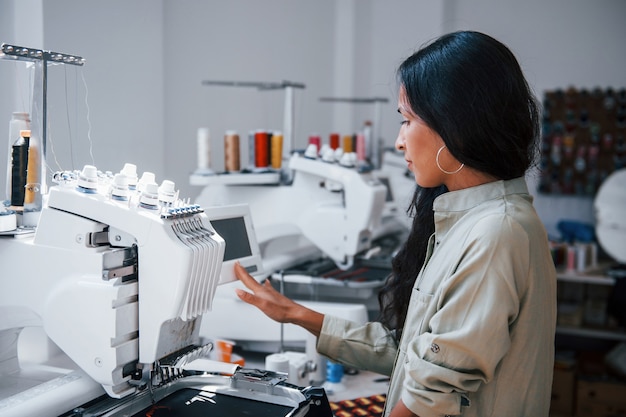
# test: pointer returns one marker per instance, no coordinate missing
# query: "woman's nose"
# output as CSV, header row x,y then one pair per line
x,y
399,143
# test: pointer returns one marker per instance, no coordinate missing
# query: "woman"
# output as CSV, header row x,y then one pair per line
x,y
468,315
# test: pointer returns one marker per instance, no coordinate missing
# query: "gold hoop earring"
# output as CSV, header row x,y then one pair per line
x,y
443,170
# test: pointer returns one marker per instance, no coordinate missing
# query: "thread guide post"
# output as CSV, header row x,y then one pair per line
x,y
22,53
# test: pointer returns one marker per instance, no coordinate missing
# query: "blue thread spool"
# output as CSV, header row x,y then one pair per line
x,y
334,372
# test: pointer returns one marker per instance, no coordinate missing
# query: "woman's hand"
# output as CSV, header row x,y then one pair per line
x,y
275,305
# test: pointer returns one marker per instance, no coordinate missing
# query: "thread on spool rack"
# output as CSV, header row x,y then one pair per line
x,y
204,148
316,140
19,168
19,121
231,151
347,144
269,148
261,146
360,147
334,140
277,150
32,176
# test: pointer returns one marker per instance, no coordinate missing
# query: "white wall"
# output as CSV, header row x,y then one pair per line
x,y
146,60
243,40
122,42
559,43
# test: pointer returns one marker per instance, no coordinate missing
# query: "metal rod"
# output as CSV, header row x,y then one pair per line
x,y
21,53
45,110
261,85
288,115
288,123
355,100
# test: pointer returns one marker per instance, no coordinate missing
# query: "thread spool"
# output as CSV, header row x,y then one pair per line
x,y
204,148
334,375
19,168
19,121
316,140
370,147
277,362
571,259
224,350
334,140
269,148
334,371
261,146
347,144
32,191
581,257
231,151
360,147
277,150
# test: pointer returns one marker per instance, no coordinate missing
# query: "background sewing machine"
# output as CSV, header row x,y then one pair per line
x,y
116,280
326,238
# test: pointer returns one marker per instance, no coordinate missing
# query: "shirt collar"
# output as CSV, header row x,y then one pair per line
x,y
452,205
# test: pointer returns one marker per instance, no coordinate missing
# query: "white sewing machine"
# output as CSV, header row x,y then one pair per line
x,y
118,280
329,216
328,207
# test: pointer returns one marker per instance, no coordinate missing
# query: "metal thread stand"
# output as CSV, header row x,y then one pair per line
x,y
289,117
377,101
21,53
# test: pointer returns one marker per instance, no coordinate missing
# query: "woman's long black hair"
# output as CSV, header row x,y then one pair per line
x,y
470,89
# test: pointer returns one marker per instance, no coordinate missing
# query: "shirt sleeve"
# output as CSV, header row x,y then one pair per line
x,y
369,346
469,332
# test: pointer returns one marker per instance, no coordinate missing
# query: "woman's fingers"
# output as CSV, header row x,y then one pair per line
x,y
247,279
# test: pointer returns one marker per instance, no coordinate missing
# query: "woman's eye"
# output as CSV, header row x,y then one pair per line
x,y
404,122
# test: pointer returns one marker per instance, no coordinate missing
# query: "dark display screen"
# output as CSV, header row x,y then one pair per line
x,y
191,402
235,234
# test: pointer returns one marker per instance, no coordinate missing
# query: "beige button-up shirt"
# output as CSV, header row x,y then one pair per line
x,y
479,332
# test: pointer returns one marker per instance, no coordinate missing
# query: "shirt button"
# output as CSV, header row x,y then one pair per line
x,y
434,347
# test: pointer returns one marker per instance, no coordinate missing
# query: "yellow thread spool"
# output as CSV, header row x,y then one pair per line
x,y
32,173
347,144
277,150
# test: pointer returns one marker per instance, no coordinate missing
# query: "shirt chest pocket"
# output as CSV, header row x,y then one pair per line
x,y
417,316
